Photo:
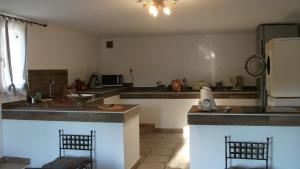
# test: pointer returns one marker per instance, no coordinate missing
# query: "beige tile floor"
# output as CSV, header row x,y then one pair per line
x,y
164,151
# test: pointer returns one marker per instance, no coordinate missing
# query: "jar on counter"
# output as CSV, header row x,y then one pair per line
x,y
176,85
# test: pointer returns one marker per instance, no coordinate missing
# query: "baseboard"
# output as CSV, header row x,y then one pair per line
x,y
164,130
16,160
20,160
152,127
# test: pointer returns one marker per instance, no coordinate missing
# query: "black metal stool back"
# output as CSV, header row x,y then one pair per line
x,y
76,142
246,150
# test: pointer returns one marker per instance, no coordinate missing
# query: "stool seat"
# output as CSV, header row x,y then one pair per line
x,y
66,162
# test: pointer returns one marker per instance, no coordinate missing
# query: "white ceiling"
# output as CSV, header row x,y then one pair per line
x,y
127,17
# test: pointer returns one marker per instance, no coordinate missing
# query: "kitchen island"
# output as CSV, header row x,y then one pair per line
x,y
158,106
35,132
208,129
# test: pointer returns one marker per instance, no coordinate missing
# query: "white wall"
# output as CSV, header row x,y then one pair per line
x,y
57,48
211,57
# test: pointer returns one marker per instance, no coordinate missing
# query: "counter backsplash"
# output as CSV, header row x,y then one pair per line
x,y
39,81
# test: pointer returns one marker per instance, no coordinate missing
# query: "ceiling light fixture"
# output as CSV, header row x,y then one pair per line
x,y
154,6
167,10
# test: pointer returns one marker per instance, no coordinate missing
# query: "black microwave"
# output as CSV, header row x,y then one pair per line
x,y
112,80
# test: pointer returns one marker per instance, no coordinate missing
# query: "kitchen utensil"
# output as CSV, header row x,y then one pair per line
x,y
207,101
227,109
255,66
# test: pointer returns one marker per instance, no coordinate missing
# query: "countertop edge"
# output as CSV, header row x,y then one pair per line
x,y
74,116
279,118
186,95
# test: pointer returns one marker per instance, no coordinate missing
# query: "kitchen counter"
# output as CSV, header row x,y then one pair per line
x,y
244,123
146,94
246,115
66,111
27,128
158,106
155,93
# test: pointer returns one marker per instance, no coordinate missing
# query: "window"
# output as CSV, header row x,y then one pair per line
x,y
13,77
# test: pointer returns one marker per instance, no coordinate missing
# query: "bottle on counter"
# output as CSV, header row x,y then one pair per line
x,y
184,84
31,99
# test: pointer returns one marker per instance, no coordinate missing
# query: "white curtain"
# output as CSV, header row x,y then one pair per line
x,y
13,66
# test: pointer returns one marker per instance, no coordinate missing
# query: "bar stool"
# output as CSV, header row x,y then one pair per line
x,y
73,142
246,151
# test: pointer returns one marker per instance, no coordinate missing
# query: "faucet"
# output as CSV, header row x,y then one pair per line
x,y
51,87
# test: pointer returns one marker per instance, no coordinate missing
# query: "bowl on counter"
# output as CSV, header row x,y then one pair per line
x,y
81,99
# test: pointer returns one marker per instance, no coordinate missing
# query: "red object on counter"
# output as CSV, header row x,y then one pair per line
x,y
176,85
80,85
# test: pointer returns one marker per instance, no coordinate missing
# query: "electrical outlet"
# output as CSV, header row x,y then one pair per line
x,y
109,44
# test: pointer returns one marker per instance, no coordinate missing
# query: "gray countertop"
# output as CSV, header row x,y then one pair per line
x,y
155,93
66,111
246,115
